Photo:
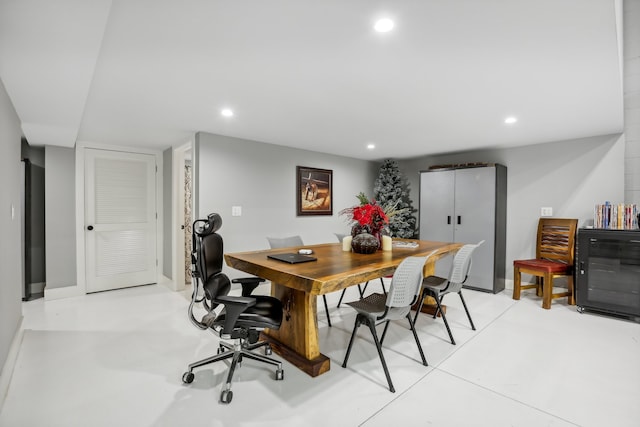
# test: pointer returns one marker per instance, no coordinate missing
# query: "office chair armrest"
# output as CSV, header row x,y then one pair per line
x,y
248,284
234,306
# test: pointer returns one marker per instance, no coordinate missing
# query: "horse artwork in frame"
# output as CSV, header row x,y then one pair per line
x,y
314,191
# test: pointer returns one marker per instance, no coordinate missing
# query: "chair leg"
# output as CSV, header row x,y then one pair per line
x,y
261,358
517,277
572,290
326,309
464,304
237,355
372,328
547,290
415,335
383,288
353,336
423,295
539,286
212,359
364,289
439,303
384,332
360,291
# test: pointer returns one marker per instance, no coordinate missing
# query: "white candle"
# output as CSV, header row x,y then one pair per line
x,y
386,243
346,243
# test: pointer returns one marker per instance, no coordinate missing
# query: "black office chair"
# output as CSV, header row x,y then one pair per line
x,y
241,319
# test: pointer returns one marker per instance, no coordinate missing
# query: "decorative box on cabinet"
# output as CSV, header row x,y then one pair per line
x,y
608,271
467,205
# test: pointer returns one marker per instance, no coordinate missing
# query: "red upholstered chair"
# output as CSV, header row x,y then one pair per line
x,y
555,250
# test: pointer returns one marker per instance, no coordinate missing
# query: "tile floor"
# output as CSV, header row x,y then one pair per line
x,y
116,359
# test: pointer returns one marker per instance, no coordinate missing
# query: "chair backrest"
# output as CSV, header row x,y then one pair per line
x,y
207,260
406,281
207,246
556,239
461,266
284,242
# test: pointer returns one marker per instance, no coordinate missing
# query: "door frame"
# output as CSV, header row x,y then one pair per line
x,y
177,207
81,287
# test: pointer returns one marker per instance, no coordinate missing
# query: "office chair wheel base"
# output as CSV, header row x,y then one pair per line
x,y
226,396
187,377
279,374
268,351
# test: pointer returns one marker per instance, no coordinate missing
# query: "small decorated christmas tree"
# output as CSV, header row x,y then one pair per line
x,y
391,190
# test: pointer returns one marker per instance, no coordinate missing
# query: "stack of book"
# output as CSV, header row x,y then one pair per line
x,y
616,216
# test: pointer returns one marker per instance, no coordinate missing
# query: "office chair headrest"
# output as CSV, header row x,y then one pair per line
x,y
211,225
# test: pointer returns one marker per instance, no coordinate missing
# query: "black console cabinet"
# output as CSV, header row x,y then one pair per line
x,y
608,271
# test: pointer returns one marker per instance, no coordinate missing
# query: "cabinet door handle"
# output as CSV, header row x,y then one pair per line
x,y
459,219
449,219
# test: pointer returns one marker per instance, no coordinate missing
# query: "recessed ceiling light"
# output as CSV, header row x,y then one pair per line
x,y
510,120
371,146
227,112
383,25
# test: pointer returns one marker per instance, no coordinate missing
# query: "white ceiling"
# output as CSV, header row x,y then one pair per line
x,y
313,74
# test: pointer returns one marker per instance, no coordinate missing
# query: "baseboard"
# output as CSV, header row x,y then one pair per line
x,y
10,363
508,284
168,283
59,293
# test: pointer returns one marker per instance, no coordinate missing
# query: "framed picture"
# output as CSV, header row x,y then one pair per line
x,y
315,191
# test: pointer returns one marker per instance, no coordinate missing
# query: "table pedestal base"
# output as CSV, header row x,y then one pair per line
x,y
313,367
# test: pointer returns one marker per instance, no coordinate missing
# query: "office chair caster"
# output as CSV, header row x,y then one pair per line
x,y
187,377
226,396
279,374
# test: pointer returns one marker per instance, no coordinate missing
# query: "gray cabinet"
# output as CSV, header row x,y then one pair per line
x,y
467,205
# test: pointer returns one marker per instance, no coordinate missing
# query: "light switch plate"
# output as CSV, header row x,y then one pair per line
x,y
236,210
546,211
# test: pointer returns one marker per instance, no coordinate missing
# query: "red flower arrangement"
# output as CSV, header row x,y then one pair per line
x,y
369,217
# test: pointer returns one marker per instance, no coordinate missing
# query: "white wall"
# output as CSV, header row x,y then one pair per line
x,y
10,237
167,214
261,178
569,176
60,217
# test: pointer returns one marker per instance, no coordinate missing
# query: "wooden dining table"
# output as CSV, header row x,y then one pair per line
x,y
297,286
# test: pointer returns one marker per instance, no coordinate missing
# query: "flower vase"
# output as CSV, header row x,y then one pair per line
x,y
365,243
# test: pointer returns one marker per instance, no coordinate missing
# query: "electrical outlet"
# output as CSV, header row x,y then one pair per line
x,y
546,211
236,210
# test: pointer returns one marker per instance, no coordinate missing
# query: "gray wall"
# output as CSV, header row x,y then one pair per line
x,y
167,213
261,178
569,176
60,216
10,236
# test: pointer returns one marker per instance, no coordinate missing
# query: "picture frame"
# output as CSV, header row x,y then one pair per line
x,y
314,189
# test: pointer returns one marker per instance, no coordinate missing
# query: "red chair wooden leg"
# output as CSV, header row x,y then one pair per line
x,y
572,291
547,290
517,277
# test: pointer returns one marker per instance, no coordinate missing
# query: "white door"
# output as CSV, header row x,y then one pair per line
x,y
120,219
